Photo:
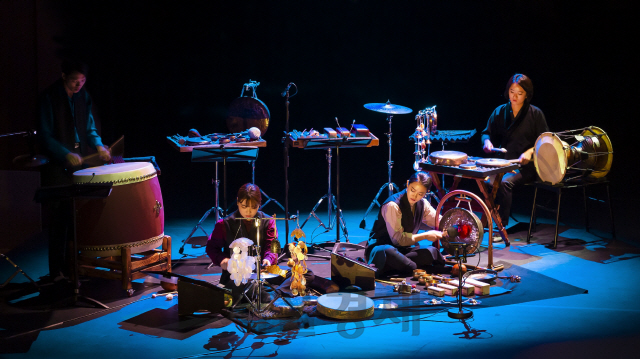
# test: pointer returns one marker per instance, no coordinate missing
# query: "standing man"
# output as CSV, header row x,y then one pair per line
x,y
515,126
67,132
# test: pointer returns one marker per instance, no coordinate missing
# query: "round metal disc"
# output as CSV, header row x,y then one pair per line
x,y
345,306
388,108
198,141
448,158
468,166
457,217
492,162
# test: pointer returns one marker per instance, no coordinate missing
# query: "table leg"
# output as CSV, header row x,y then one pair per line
x,y
489,201
437,184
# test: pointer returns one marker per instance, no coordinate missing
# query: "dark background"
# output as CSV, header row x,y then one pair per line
x,y
160,68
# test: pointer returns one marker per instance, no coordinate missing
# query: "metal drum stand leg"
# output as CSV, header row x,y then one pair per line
x,y
390,185
215,208
253,180
331,204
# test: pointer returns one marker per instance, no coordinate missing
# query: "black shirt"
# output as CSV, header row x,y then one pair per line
x,y
516,136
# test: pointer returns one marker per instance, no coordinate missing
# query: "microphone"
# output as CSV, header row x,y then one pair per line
x,y
284,93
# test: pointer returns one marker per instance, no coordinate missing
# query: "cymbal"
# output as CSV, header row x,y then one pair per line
x,y
388,108
29,160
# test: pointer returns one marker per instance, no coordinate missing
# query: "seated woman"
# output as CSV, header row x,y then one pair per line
x,y
231,228
392,243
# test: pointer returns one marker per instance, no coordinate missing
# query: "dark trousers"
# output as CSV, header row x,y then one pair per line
x,y
412,258
504,197
59,216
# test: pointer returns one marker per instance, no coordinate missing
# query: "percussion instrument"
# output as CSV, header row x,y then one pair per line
x,y
250,137
349,306
248,111
448,158
132,216
468,229
589,156
494,162
387,108
359,137
385,304
470,169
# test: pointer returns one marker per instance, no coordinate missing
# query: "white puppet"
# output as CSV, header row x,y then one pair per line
x,y
240,264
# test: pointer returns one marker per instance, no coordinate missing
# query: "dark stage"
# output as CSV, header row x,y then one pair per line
x,y
162,68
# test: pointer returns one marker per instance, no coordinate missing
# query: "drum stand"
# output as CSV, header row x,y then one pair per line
x,y
390,185
331,205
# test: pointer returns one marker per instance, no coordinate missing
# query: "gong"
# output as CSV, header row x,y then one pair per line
x,y
246,112
468,226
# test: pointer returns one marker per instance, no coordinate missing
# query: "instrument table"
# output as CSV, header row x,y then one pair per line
x,y
480,174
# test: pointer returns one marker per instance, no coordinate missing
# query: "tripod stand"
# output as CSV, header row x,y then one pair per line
x,y
331,205
15,273
221,154
390,110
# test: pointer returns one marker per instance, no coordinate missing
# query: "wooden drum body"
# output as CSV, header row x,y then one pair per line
x,y
131,216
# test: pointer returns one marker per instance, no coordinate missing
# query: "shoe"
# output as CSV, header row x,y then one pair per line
x,y
497,239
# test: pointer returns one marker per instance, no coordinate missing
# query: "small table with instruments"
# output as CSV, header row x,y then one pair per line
x,y
473,168
326,142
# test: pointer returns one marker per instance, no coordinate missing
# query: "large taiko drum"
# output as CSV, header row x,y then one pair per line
x,y
131,216
590,155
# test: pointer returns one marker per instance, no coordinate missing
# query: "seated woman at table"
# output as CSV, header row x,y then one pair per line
x,y
392,245
231,228
514,126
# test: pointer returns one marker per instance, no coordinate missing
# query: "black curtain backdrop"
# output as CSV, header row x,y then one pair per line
x,y
160,68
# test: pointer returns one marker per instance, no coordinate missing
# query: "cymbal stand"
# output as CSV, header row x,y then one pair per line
x,y
390,185
215,208
331,204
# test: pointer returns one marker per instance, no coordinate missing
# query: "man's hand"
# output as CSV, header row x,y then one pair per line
x,y
224,263
103,153
488,146
526,156
74,159
266,263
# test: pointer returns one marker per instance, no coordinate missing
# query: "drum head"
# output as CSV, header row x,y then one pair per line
x,y
549,158
602,164
246,112
118,174
470,230
345,306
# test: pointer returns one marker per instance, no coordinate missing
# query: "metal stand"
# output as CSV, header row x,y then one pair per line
x,y
390,185
218,155
257,286
331,204
15,273
461,256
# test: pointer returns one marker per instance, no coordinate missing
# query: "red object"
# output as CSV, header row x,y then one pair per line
x,y
464,230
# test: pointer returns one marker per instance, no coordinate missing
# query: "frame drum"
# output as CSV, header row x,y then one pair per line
x,y
591,155
132,216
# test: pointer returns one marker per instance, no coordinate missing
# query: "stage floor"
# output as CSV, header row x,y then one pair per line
x,y
599,323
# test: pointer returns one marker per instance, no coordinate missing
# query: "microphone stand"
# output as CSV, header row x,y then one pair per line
x,y
461,313
286,165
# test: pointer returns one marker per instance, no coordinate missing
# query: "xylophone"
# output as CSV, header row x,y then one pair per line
x,y
216,140
359,136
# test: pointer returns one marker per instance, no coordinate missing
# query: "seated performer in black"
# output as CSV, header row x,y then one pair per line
x,y
392,245
230,228
515,126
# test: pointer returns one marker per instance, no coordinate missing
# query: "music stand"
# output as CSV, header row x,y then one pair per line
x,y
224,155
73,192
